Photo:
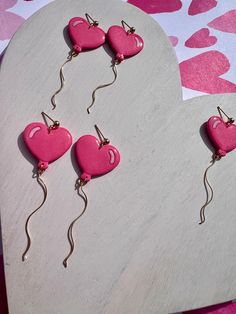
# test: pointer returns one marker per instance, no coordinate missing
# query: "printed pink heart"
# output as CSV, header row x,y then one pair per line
x,y
174,40
203,72
10,22
123,43
95,159
222,135
7,4
85,36
200,6
44,145
157,6
201,39
225,23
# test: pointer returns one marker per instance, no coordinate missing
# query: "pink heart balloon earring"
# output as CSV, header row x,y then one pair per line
x,y
46,143
222,135
124,44
95,157
85,35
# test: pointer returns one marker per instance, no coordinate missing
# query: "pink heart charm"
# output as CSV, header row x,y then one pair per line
x,y
124,43
46,144
85,36
95,159
222,135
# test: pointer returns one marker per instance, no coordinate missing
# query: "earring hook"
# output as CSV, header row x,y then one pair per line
x,y
53,126
103,139
89,19
131,28
230,119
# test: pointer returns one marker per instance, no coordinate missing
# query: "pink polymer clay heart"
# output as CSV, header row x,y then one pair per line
x,y
95,159
222,135
85,36
44,144
124,44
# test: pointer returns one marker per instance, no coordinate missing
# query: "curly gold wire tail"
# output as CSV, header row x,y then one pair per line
x,y
62,78
208,189
114,69
79,186
44,187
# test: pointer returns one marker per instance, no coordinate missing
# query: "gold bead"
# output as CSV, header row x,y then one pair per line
x,y
56,124
132,30
106,141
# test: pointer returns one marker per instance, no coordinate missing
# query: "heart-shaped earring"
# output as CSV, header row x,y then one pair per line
x,y
95,157
124,44
46,143
222,135
85,35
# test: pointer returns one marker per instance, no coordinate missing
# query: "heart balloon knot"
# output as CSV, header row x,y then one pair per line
x,y
42,165
77,48
221,153
85,177
119,57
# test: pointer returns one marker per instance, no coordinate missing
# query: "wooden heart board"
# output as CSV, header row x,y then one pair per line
x,y
139,248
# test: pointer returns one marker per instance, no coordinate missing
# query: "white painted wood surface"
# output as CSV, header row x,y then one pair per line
x,y
139,247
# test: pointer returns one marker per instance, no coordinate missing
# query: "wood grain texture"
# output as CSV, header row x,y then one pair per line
x,y
139,247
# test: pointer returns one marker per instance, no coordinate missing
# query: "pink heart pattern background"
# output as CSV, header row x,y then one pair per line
x,y
211,28
201,39
208,40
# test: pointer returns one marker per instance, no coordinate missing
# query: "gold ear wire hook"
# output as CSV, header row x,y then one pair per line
x,y
53,126
230,120
131,28
89,19
103,139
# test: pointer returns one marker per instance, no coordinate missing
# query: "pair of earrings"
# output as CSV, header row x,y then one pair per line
x,y
47,142
86,35
222,135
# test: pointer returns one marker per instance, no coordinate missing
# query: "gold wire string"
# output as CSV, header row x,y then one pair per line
x,y
71,55
45,192
208,189
79,186
114,69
